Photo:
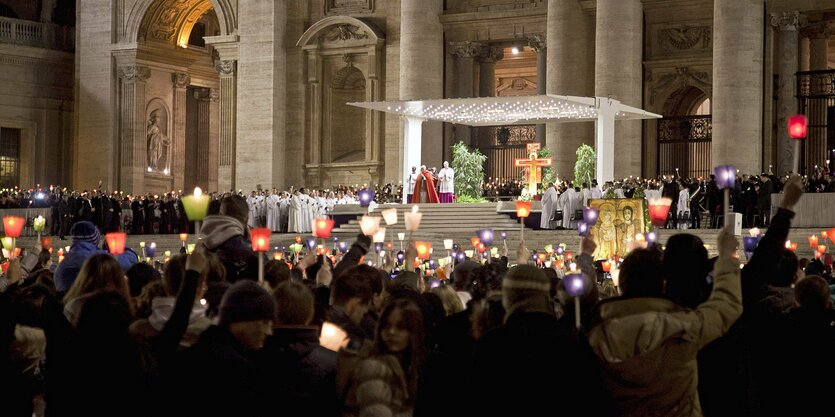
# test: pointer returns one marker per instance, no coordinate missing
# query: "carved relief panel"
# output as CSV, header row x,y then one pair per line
x,y
680,38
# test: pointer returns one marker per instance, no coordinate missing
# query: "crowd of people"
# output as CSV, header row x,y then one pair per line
x,y
696,201
678,334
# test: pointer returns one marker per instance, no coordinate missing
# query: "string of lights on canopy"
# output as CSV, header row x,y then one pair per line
x,y
503,111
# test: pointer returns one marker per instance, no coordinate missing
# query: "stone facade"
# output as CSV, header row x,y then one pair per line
x,y
271,79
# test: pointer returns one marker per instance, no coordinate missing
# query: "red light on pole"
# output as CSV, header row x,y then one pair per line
x,y
797,126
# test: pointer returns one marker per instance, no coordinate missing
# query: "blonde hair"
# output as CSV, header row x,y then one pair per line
x,y
98,274
451,300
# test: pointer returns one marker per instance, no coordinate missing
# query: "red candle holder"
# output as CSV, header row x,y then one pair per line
x,y
423,249
322,227
659,208
523,209
607,266
260,238
116,242
813,241
13,225
475,241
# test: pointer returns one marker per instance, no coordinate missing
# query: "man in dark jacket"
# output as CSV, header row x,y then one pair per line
x,y
219,369
297,372
226,236
532,340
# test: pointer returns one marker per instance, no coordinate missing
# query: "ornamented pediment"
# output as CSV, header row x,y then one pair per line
x,y
680,78
344,32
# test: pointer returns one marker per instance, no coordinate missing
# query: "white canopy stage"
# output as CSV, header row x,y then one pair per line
x,y
503,111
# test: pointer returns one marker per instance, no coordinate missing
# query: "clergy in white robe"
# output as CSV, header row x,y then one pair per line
x,y
564,203
252,202
412,180
273,215
295,215
576,201
284,212
446,178
549,204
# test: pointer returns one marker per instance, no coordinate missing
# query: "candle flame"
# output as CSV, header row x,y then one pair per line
x,y
198,192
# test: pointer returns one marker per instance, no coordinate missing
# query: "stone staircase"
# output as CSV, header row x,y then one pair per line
x,y
453,221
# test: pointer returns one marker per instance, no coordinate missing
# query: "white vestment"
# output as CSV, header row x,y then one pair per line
x,y
252,202
549,204
446,177
273,215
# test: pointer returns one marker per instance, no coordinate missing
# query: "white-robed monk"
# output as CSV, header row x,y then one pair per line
x,y
273,215
252,202
549,204
284,211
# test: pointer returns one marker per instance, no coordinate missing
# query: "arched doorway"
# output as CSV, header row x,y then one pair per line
x,y
168,96
684,134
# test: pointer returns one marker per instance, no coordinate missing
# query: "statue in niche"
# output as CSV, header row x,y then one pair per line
x,y
158,142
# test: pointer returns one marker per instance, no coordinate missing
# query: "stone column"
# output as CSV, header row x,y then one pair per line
x,y
737,84
803,53
201,174
570,60
181,81
133,155
487,70
788,23
421,65
618,74
537,43
818,34
464,54
228,116
261,106
214,137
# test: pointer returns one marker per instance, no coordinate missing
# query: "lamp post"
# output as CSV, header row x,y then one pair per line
x,y
797,130
725,180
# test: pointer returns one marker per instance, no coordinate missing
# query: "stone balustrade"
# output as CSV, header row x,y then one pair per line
x,y
36,34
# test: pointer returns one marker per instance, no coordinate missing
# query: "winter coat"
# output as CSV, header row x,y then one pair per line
x,y
297,373
378,389
227,238
68,269
161,310
648,346
533,365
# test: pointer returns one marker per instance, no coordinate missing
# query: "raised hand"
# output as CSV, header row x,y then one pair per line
x,y
727,243
791,192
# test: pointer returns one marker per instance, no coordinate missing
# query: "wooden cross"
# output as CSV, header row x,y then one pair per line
x,y
534,166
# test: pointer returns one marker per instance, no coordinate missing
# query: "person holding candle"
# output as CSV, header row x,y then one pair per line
x,y
227,236
662,374
532,339
85,240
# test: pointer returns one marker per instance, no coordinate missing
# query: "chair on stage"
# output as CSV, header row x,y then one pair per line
x,y
556,219
577,216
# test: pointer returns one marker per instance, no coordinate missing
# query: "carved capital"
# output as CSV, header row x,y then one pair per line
x,y
202,94
788,21
134,73
466,49
537,42
180,79
214,95
226,67
490,54
818,30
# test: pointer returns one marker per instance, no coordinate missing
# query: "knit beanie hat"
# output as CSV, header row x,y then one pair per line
x,y
526,288
245,300
85,231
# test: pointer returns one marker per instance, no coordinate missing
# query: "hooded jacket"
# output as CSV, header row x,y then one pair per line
x,y
648,346
227,238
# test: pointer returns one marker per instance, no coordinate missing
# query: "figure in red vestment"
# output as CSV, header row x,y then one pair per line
x,y
425,188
